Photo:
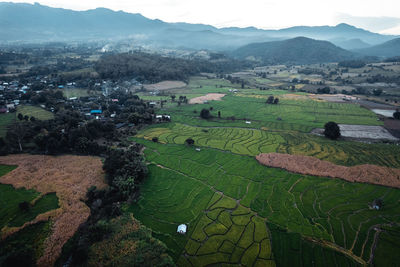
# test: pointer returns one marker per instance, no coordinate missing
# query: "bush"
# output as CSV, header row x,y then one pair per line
x,y
24,206
205,114
332,130
396,115
155,139
189,141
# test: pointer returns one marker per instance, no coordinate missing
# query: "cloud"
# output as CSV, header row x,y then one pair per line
x,y
375,24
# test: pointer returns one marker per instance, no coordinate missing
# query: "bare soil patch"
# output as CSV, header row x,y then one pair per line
x,y
207,97
338,98
165,85
362,132
69,177
367,173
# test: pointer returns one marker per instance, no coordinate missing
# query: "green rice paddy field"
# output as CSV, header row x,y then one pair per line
x,y
290,115
240,212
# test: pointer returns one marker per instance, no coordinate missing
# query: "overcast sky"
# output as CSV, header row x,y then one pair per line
x,y
375,15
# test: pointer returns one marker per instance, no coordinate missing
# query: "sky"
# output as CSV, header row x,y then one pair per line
x,y
381,16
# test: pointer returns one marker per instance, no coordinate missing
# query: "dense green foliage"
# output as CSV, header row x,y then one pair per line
x,y
25,246
156,68
332,130
351,64
299,50
127,243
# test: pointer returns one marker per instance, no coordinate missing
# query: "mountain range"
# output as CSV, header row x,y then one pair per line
x,y
27,23
299,50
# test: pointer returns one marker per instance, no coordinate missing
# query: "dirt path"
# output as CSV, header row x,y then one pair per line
x,y
367,173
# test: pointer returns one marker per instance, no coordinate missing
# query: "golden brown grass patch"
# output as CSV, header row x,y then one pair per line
x,y
367,173
68,176
207,97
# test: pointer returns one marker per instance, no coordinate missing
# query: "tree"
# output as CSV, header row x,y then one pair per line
x,y
396,115
20,116
24,206
205,113
377,92
16,134
332,130
189,141
219,114
270,100
173,98
276,101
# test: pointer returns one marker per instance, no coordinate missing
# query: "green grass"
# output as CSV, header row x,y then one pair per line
x,y
10,197
316,207
253,142
75,92
299,115
43,204
26,245
291,250
37,112
6,120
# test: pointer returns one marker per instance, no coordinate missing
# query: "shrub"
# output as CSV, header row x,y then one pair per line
x,y
396,115
332,130
189,141
205,113
24,206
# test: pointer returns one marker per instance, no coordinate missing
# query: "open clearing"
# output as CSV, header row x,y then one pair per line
x,y
312,166
34,111
69,177
165,85
361,132
207,97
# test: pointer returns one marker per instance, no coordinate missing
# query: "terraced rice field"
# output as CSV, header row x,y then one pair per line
x,y
219,193
253,142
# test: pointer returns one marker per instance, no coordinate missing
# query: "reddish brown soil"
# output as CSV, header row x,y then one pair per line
x,y
69,177
312,166
207,97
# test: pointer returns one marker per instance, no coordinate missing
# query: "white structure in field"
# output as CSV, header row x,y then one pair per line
x,y
182,229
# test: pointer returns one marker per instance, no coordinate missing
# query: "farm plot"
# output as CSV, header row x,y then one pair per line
x,y
228,234
332,212
253,142
290,114
37,112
